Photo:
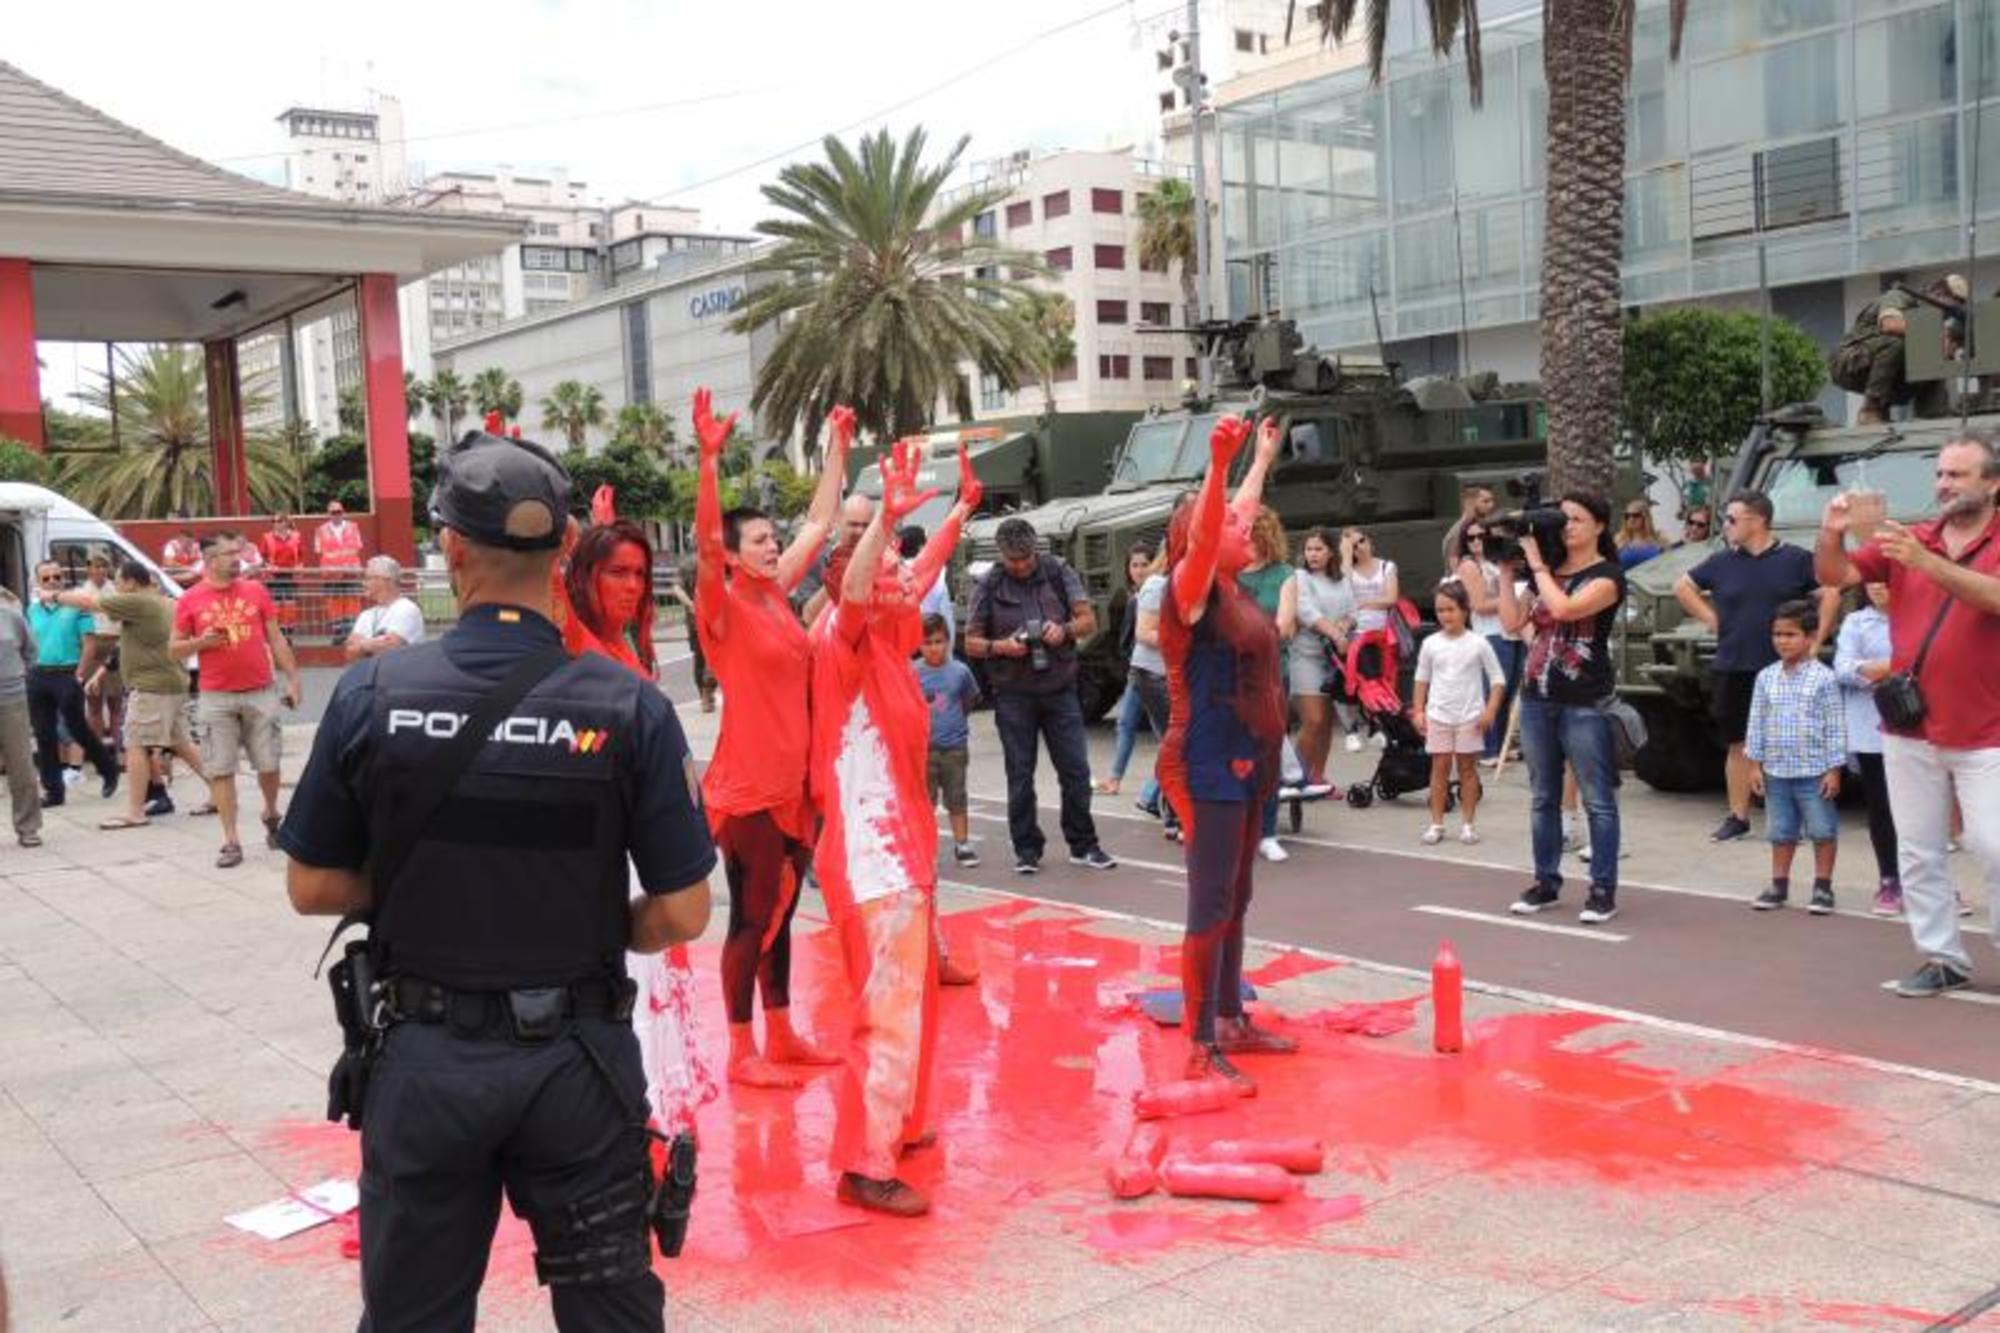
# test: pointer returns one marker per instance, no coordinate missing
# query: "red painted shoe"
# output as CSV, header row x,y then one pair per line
x,y
881,1196
1210,1062
1239,1036
756,1072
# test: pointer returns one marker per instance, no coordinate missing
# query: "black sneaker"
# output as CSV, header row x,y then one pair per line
x,y
1151,808
1027,865
1537,898
1730,829
1598,908
110,784
1822,901
159,805
1932,980
1770,900
50,800
964,855
1094,859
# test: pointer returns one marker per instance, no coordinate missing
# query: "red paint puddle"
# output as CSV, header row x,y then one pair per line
x,y
1383,1019
1286,966
1033,1097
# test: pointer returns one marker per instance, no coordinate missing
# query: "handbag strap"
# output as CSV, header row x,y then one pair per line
x,y
1924,648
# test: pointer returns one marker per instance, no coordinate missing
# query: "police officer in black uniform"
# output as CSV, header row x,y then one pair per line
x,y
503,1052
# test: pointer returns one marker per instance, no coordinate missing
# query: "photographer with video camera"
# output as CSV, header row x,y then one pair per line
x,y
1026,616
1575,592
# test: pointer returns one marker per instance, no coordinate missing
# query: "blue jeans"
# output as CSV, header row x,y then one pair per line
x,y
1512,653
1794,805
1553,735
1026,722
1131,714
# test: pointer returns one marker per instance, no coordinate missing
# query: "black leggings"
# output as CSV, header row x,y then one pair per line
x,y
1881,819
757,954
1154,700
1221,851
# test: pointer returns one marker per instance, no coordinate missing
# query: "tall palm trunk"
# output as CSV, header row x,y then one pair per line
x,y
1190,295
1587,57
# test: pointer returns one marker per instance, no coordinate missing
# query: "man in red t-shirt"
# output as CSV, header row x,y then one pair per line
x,y
1944,587
755,786
232,624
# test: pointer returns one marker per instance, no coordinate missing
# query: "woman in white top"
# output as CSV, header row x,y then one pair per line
x,y
1325,620
1370,578
1480,577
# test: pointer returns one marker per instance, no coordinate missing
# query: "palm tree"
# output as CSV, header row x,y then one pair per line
x,y
1052,335
1586,60
493,391
1166,236
573,407
644,425
415,395
164,462
448,397
879,292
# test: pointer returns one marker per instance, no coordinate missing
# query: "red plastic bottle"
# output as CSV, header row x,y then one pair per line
x,y
1447,1001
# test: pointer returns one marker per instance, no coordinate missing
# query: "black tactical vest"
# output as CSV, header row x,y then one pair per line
x,y
520,880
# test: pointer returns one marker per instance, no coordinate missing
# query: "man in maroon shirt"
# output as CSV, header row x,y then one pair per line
x,y
1943,573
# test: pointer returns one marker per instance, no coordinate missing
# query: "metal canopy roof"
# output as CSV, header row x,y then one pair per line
x,y
134,240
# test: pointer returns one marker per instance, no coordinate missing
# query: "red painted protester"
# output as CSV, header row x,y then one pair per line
x,y
1219,760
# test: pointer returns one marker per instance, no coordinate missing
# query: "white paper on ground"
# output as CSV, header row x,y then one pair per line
x,y
300,1211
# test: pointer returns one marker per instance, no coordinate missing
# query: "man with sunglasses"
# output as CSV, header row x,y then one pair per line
x,y
55,688
1747,581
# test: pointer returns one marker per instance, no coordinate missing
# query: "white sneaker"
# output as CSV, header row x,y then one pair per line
x,y
1313,791
1433,835
1289,791
1353,742
1272,850
1468,834
1381,740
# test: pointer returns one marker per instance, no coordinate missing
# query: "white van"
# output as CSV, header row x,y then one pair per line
x,y
36,524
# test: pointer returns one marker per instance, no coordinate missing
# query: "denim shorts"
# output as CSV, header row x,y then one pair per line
x,y
1792,803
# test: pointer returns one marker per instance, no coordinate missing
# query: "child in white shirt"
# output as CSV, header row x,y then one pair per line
x,y
1452,709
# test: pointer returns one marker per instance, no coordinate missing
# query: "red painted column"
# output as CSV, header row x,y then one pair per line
x,y
20,376
388,423
225,427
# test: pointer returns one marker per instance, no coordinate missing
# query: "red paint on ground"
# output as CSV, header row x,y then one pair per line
x,y
1383,1019
1286,966
1033,1096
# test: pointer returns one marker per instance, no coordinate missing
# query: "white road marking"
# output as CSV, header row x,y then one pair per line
x,y
1965,996
1122,860
1842,1059
1523,923
676,659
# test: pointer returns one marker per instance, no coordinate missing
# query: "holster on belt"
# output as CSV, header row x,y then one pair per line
x,y
356,1005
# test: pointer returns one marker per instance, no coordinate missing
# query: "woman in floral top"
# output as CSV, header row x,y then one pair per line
x,y
1573,602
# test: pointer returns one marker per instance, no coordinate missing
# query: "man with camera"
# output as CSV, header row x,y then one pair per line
x,y
476,799
1940,702
1026,616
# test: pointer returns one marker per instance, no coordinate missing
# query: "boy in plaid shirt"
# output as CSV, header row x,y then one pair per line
x,y
1797,746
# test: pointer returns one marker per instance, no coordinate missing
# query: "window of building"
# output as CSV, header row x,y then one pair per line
x,y
1193,371
992,394
1114,367
983,224
1055,205
1110,312
1246,41
1155,312
1166,103
1107,201
1109,256
639,222
1157,367
1061,259
1165,59
1021,213
1779,92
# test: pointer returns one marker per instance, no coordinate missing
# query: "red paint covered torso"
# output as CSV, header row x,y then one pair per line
x,y
871,736
760,663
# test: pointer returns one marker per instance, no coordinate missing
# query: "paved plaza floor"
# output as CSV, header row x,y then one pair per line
x,y
163,1051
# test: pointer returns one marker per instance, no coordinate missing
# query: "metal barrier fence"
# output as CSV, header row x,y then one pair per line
x,y
317,607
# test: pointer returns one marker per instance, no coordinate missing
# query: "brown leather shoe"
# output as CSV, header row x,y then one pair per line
x,y
882,1196
1239,1036
1210,1062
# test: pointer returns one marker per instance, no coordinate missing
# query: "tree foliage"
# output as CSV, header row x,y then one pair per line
x,y
416,395
647,426
1051,321
494,391
1166,237
449,396
573,408
1693,383
882,288
644,488
22,462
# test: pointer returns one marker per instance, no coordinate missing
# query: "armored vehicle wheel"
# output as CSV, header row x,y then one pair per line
x,y
1679,754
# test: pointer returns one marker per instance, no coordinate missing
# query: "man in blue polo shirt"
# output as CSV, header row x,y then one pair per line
x,y
1745,583
54,691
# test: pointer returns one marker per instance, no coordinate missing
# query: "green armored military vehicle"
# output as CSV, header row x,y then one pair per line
x,y
1361,446
1022,462
1801,460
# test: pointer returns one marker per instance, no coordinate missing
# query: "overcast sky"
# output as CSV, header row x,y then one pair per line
x,y
211,79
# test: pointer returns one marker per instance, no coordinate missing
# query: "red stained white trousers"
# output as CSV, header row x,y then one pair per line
x,y
891,957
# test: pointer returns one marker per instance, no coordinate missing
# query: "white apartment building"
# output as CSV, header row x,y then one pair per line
x,y
355,157
1079,211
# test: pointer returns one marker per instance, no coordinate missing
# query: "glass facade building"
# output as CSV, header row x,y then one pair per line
x,y
1845,138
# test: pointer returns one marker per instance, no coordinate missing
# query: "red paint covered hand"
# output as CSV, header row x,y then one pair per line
x,y
839,430
713,434
604,505
1226,441
900,496
970,491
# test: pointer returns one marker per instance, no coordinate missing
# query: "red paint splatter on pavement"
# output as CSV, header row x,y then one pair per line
x,y
1286,966
1382,1019
1033,1096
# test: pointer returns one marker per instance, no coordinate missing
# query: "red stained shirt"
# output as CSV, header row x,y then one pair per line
x,y
1960,687
243,610
870,751
282,551
760,663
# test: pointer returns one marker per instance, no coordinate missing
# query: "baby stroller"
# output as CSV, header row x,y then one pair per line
x,y
1405,765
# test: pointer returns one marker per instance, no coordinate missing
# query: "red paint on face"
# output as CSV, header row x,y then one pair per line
x,y
622,583
1033,1097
